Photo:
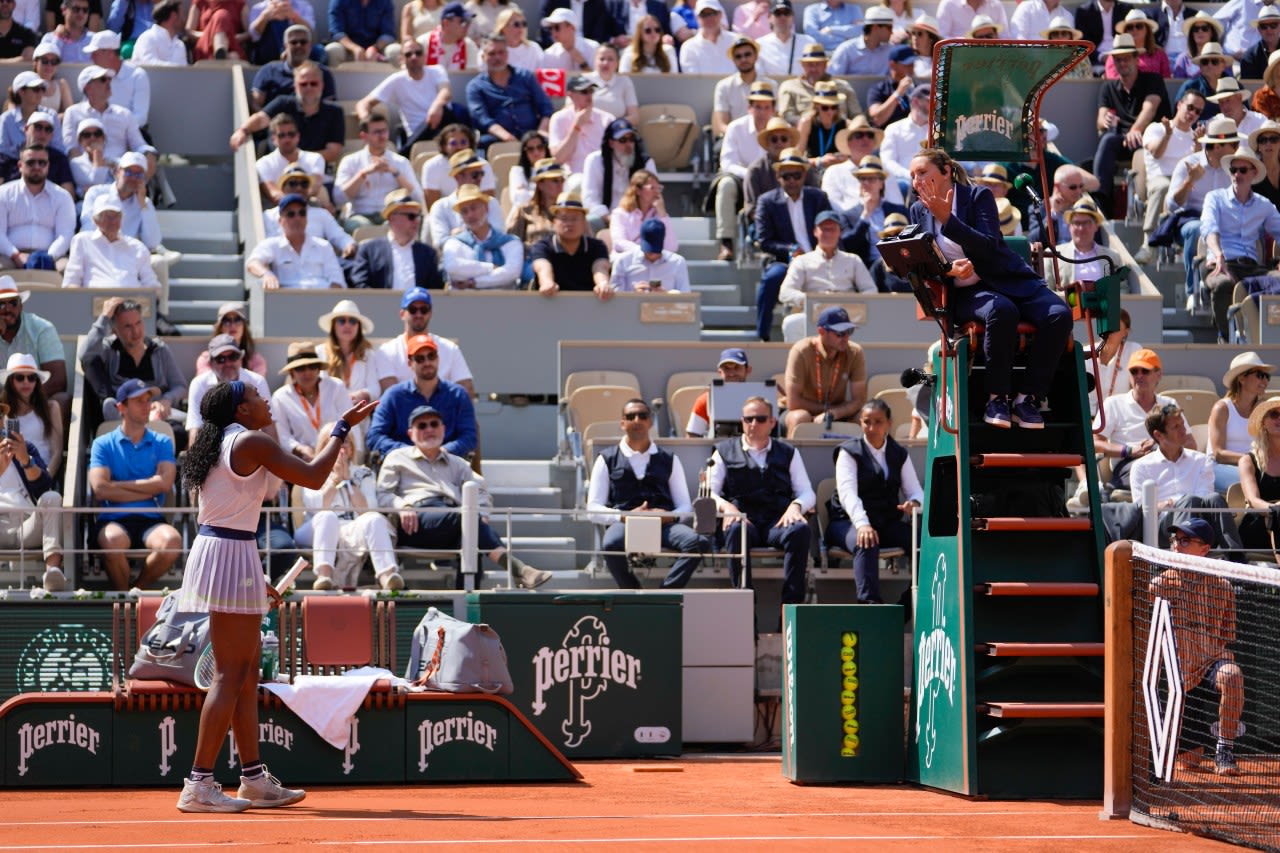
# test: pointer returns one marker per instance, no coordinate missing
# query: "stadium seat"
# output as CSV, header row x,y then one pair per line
x,y
369,232
580,378
1246,318
816,429
1195,404
685,378
669,132
1185,382
597,404
680,406
882,382
1201,434
27,279
501,165
900,404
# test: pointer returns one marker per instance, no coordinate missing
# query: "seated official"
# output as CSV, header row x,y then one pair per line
x,y
570,259
390,427
826,374
104,257
424,475
762,483
649,268
876,484
340,528
294,260
131,469
398,261
636,477
480,257
25,485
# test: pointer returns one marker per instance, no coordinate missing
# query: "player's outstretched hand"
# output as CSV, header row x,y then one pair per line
x,y
359,411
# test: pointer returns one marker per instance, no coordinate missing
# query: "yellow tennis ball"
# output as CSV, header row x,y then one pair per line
x,y
851,741
849,639
851,727
846,653
848,752
848,668
846,697
848,712
851,682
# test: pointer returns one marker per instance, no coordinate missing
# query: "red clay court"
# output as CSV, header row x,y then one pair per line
x,y
703,802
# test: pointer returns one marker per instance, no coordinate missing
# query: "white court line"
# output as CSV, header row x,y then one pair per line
x,y
277,818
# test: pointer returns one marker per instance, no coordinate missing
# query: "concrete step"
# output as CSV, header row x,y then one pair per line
x,y
719,294
208,265
728,317
195,221
553,553
693,227
699,250
510,473
212,242
530,497
719,272
728,336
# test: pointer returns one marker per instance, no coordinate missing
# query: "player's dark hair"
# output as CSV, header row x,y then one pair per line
x,y
218,412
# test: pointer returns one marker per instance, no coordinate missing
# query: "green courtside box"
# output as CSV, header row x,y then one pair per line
x,y
842,693
598,674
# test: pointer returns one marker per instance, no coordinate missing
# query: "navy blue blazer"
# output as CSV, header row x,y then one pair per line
x,y
773,223
1089,22
373,265
976,227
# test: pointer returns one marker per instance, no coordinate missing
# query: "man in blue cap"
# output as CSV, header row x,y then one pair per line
x,y
415,314
826,374
648,267
732,367
888,101
292,259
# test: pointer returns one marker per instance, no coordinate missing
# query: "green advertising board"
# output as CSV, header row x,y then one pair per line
x,y
59,744
598,674
842,693
54,646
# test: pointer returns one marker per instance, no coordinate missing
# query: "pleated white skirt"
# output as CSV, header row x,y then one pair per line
x,y
223,575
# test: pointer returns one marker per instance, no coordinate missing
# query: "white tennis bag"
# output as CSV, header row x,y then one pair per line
x,y
458,657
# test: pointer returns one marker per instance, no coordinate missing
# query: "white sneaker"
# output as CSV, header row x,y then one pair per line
x,y
207,796
322,583
1144,255
54,579
531,578
1191,303
266,792
391,581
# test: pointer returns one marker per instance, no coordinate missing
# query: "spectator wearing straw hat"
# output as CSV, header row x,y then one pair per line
x,y
865,218
398,261
649,267
983,28
956,17
785,219
796,96
1098,21
1083,224
24,332
1247,381
782,47
744,142
857,140
306,400
320,222
761,177
731,96
1237,17
1151,57
866,54
1231,98
886,280
106,258
1213,65
922,34
348,352
288,155
1254,60
364,177
294,259
1126,106
467,169
226,363
570,259
1061,27
1198,30
820,125
1233,221
480,256
1164,144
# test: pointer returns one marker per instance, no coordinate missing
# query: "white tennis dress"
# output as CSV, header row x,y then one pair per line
x,y
224,569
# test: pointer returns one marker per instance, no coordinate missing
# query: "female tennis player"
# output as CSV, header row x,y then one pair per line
x,y
991,284
235,466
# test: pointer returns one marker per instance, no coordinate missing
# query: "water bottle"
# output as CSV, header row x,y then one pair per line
x,y
270,656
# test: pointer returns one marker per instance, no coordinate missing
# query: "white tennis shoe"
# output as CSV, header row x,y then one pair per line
x,y
266,792
207,796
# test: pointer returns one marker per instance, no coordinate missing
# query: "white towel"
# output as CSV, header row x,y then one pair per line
x,y
327,702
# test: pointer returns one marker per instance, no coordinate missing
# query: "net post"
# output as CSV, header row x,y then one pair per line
x,y
1118,695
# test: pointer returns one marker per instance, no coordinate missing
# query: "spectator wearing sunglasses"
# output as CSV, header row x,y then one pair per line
x,y
275,77
420,93
391,420
320,222
42,131
868,53
16,40
294,259
398,261
226,363
1164,144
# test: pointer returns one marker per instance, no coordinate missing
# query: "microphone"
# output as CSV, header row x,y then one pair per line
x,y
1025,183
913,376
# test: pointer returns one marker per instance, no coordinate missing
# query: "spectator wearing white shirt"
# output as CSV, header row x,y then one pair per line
x,y
37,218
415,314
90,167
226,363
140,220
1164,144
1031,18
649,268
420,92
320,222
568,50
106,258
902,138
435,178
1083,221
513,27
306,400
285,154
121,127
161,43
782,47
398,261
577,128
348,354
729,101
955,17
448,45
294,260
1231,99
467,169
709,51
481,257
365,177
624,151
743,145
130,85
615,93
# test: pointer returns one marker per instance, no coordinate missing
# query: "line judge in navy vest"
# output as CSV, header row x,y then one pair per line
x,y
875,484
763,480
636,477
990,283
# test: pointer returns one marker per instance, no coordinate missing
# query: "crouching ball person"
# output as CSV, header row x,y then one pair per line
x,y
234,466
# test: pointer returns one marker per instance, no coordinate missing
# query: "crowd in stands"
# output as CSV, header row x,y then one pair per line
x,y
808,177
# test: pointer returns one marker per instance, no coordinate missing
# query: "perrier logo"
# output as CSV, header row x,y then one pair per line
x,y
587,664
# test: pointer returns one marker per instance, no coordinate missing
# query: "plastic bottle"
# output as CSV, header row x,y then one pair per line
x,y
270,656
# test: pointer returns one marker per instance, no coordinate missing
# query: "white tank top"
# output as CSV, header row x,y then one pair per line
x,y
1238,438
228,499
